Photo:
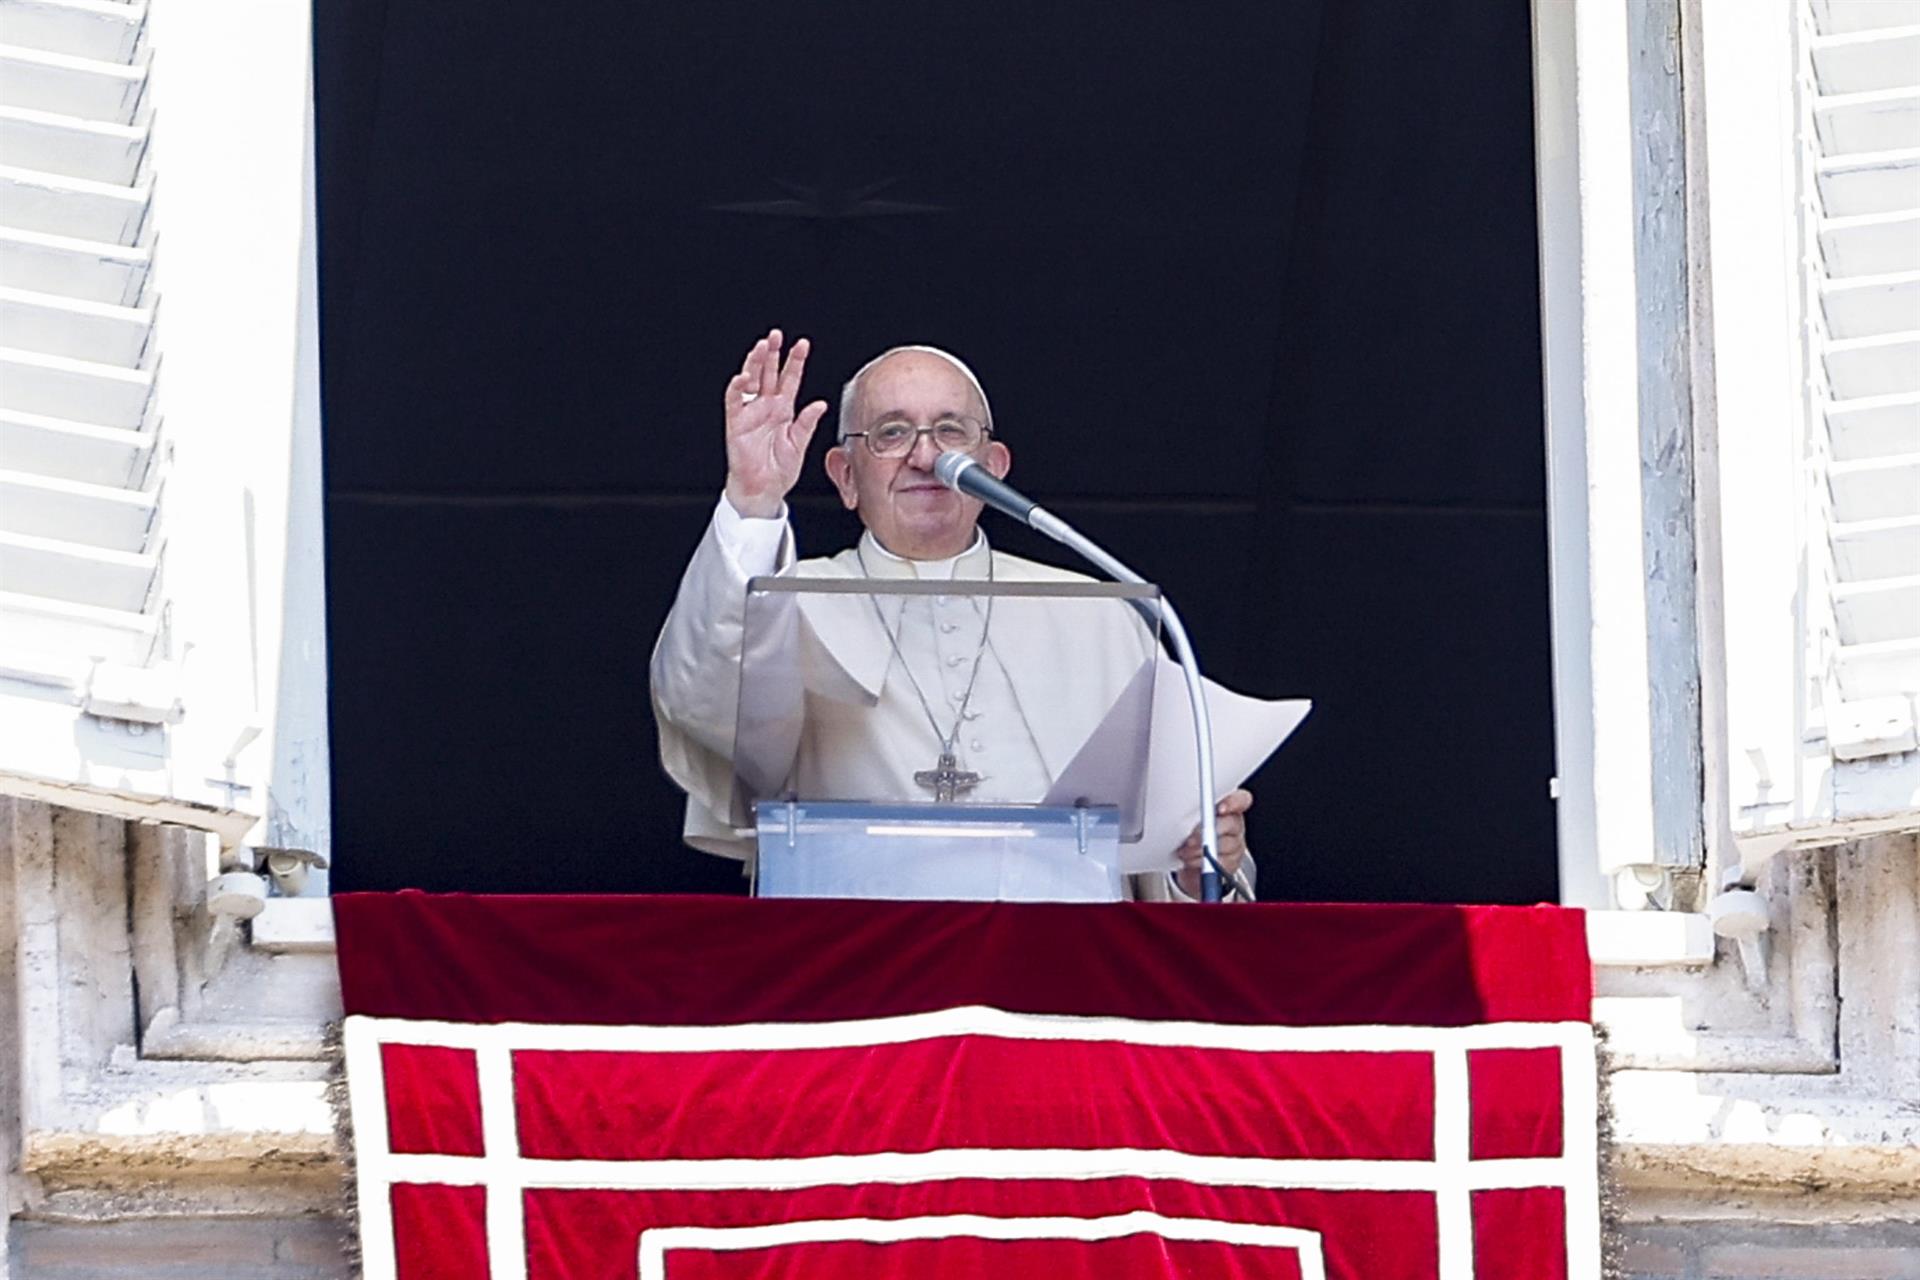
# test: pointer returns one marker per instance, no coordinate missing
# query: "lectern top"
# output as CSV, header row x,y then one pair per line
x,y
1063,590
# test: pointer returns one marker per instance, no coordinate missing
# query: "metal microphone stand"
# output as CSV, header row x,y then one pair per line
x,y
1211,876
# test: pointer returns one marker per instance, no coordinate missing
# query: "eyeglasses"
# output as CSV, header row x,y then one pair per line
x,y
896,438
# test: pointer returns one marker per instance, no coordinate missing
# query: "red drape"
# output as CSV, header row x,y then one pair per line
x,y
682,1088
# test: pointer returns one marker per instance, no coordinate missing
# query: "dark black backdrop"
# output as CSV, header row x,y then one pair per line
x,y
1252,286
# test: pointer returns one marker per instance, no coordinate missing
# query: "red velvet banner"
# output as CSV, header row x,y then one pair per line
x,y
698,1089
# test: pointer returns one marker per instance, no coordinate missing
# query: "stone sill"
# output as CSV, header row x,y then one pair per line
x,y
158,1135
1650,939
1840,1174
1683,1128
294,925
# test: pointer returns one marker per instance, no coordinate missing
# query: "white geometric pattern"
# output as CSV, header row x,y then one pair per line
x,y
1451,1176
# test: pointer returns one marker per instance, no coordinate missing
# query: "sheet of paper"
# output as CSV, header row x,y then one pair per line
x,y
1245,732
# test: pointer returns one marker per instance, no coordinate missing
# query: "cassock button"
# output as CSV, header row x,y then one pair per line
x,y
955,660
977,745
949,627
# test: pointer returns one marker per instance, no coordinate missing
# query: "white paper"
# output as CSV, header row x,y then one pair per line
x,y
1245,732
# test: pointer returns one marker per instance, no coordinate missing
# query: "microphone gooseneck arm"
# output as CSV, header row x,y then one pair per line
x,y
965,475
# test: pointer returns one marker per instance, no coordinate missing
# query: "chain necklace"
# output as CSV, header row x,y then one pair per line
x,y
946,779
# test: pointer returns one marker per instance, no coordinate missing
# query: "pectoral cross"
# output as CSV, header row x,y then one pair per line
x,y
947,778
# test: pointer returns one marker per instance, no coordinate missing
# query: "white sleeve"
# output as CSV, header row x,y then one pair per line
x,y
696,662
751,544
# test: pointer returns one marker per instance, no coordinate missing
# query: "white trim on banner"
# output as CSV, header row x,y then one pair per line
x,y
1451,1175
657,1242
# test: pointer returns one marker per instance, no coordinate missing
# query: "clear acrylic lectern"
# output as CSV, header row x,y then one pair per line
x,y
933,739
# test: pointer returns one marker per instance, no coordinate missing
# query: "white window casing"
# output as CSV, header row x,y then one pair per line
x,y
1813,123
1615,335
161,652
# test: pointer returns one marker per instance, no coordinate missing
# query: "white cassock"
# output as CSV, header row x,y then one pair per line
x,y
1038,694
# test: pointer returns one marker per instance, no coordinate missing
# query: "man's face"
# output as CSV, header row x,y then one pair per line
x,y
899,499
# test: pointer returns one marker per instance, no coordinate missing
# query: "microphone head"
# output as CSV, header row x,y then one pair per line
x,y
949,467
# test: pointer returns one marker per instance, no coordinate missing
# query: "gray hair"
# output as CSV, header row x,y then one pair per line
x,y
850,393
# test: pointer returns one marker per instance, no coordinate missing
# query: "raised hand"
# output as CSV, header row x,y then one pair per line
x,y
766,439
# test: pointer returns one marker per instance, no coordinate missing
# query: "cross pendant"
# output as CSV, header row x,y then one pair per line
x,y
947,778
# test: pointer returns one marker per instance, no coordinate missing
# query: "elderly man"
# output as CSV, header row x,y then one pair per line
x,y
897,415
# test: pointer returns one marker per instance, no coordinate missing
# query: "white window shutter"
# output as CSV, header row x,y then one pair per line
x,y
81,534
145,502
1819,432
1864,150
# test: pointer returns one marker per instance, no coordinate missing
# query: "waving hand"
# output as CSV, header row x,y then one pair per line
x,y
766,440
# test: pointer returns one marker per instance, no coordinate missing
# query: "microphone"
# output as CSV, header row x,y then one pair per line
x,y
963,474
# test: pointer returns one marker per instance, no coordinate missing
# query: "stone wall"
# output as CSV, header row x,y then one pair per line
x,y
200,1249
1721,1250
164,1078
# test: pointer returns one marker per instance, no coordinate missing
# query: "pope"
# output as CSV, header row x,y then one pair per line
x,y
994,717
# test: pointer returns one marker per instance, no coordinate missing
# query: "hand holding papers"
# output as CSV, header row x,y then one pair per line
x,y
1245,732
